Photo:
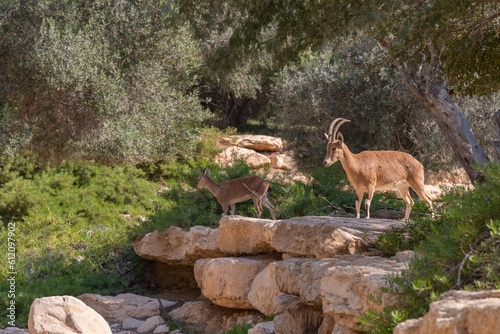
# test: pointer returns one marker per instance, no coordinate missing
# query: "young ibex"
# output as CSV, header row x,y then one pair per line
x,y
371,171
238,190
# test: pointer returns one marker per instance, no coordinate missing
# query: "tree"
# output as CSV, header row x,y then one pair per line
x,y
105,80
437,46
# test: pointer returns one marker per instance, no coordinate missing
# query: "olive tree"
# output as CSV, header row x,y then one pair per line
x,y
435,45
105,80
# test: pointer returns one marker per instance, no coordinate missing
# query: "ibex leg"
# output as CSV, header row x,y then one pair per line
x,y
269,206
359,198
368,200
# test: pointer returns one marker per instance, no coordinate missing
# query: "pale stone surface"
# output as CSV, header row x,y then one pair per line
x,y
348,283
64,315
124,306
281,161
131,323
176,246
287,274
292,316
458,312
263,291
311,273
325,237
162,329
254,142
405,256
150,324
204,316
263,328
227,281
239,235
252,158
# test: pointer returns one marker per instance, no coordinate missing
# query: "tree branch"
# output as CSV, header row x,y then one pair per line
x,y
431,73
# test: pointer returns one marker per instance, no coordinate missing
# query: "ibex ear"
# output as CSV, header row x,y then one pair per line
x,y
207,172
340,137
327,136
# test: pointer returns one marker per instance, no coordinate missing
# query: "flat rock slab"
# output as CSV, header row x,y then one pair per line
x,y
123,306
325,237
173,245
239,235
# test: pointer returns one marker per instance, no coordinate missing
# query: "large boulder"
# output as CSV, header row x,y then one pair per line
x,y
350,285
64,315
173,245
254,142
205,317
252,158
227,281
458,312
325,237
239,235
123,306
263,291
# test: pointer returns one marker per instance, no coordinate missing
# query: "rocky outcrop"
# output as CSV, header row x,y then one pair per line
x,y
254,142
227,281
324,237
458,312
64,315
246,236
308,263
120,307
318,237
304,276
176,246
351,285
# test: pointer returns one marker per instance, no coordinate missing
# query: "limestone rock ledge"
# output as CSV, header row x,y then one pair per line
x,y
319,237
173,245
458,312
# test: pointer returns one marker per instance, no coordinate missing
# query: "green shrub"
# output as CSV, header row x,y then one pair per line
x,y
71,223
457,250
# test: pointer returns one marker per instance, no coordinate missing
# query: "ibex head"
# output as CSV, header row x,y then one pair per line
x,y
334,149
203,177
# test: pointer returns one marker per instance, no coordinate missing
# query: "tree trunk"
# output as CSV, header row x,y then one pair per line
x,y
457,131
450,119
496,142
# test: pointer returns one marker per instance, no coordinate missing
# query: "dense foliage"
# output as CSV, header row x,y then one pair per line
x,y
108,81
457,250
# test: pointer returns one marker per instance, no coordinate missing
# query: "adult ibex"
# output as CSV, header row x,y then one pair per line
x,y
371,171
238,190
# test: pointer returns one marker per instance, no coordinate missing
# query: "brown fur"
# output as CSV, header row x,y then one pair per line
x,y
230,192
371,171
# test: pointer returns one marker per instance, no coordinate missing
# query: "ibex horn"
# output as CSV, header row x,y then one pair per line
x,y
334,127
